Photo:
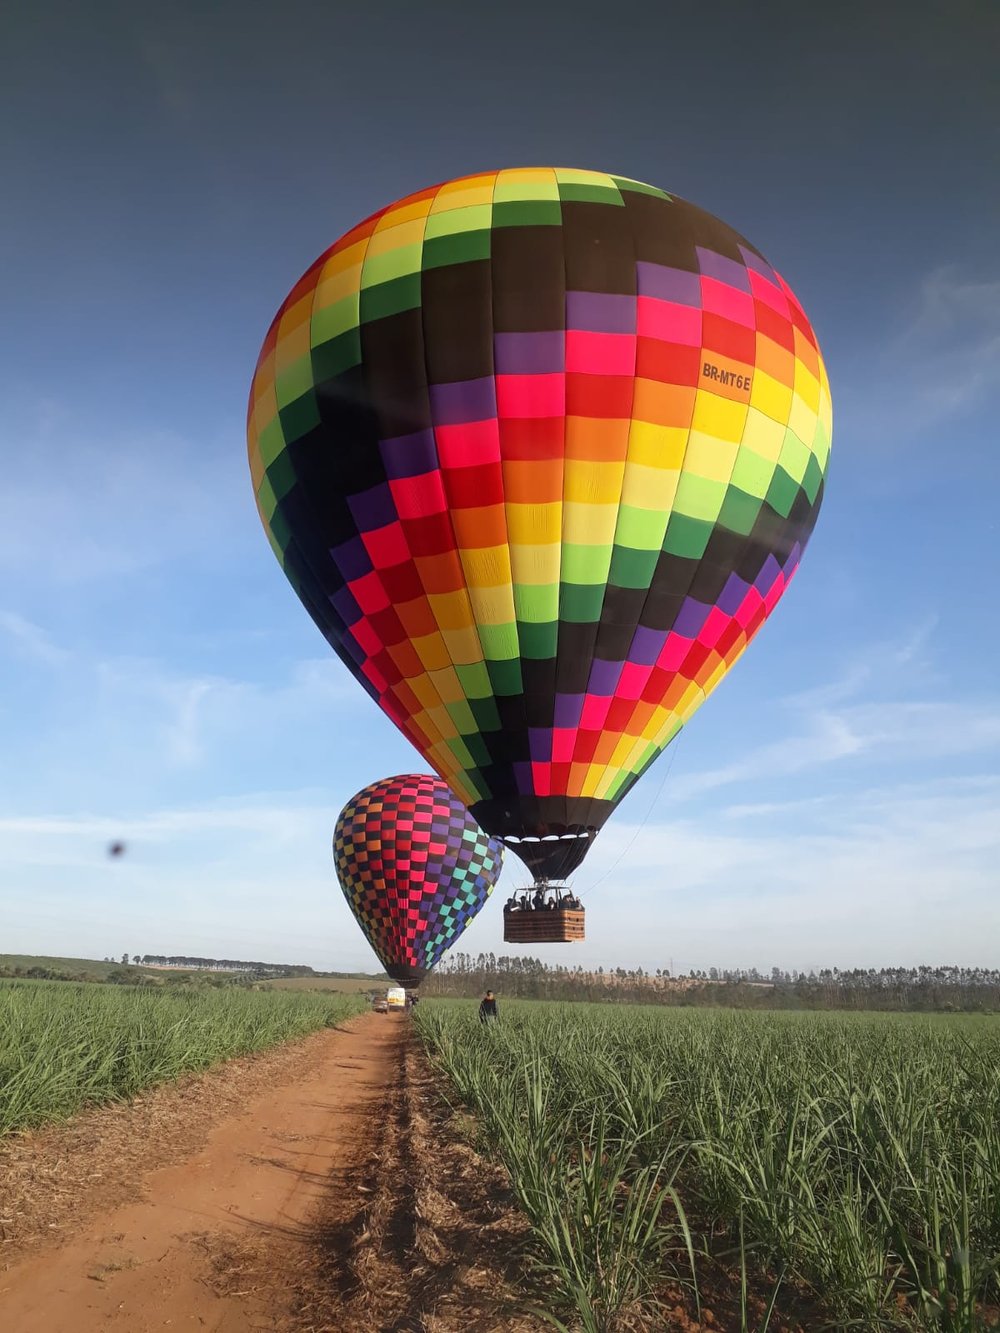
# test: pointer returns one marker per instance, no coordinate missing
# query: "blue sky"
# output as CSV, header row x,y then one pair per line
x,y
168,175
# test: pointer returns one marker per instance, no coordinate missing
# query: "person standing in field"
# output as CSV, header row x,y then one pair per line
x,y
488,1008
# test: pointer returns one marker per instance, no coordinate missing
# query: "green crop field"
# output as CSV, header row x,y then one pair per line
x,y
853,1161
64,1046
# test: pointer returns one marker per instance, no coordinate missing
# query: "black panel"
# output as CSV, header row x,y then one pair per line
x,y
529,279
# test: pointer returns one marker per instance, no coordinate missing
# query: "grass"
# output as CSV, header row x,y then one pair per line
x,y
854,1158
64,1046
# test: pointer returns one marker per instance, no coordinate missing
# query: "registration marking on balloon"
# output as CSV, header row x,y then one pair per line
x,y
540,450
415,869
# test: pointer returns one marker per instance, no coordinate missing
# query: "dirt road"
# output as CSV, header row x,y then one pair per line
x,y
209,1240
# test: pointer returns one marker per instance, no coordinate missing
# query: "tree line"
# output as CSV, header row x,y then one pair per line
x,y
925,988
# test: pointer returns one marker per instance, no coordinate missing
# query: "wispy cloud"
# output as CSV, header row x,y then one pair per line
x,y
30,640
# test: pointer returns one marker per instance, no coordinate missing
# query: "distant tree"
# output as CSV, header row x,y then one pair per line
x,y
124,960
136,959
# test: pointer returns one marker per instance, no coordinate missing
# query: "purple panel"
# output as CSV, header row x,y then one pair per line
x,y
690,618
345,605
647,644
524,778
759,265
732,595
725,270
540,744
769,572
795,555
409,455
668,284
352,559
529,353
465,400
353,649
373,509
600,312
568,709
604,676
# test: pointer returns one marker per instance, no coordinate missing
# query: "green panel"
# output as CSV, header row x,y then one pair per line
x,y
632,569
585,564
637,187
642,529
281,475
699,497
457,249
271,441
590,194
453,221
538,641
752,473
739,511
461,716
537,602
687,536
334,357
293,381
397,263
528,213
506,677
812,481
476,747
460,750
795,456
581,602
280,529
389,298
499,642
475,681
300,417
782,492
485,713
333,320
267,499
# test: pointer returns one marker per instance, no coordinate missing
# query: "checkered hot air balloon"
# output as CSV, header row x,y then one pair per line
x,y
415,869
540,450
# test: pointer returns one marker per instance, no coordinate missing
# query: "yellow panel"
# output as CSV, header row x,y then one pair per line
x,y
709,457
717,416
448,686
592,483
763,435
589,524
526,183
431,650
417,208
444,722
656,446
802,419
807,386
486,567
464,648
651,488
425,722
464,194
395,237
346,258
537,564
344,282
772,398
451,610
532,525
493,606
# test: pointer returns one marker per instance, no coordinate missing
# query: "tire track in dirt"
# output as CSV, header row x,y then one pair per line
x,y
212,1240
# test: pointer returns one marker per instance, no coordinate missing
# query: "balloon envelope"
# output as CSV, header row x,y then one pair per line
x,y
540,450
415,869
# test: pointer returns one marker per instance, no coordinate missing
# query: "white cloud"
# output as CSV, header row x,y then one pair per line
x,y
30,640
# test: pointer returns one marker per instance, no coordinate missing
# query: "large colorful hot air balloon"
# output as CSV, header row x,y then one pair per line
x,y
415,869
540,450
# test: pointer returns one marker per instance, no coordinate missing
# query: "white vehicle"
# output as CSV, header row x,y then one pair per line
x,y
396,996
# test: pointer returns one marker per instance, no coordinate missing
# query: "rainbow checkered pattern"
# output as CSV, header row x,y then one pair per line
x,y
415,869
540,450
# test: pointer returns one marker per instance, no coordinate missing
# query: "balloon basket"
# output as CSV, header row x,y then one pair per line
x,y
551,923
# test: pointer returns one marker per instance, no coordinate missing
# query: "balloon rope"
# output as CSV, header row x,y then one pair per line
x,y
628,846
